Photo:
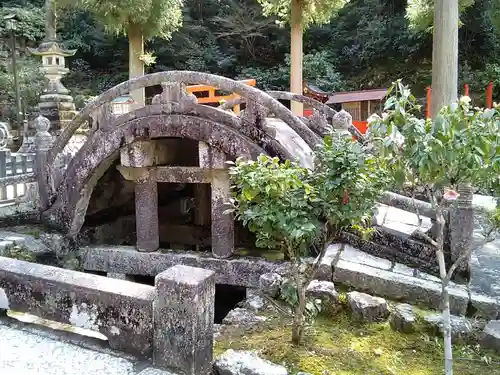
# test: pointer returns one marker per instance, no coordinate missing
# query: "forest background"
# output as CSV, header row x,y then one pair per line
x,y
369,44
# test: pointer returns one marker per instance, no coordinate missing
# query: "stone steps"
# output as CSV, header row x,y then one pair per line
x,y
347,265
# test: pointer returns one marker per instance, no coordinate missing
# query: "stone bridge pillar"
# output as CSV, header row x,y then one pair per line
x,y
222,224
140,155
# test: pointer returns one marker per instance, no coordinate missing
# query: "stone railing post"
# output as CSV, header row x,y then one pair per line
x,y
43,143
183,319
4,303
461,224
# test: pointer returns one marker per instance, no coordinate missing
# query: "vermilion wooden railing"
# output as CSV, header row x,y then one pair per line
x,y
212,98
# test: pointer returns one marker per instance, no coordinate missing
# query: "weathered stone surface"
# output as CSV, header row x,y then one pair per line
x,y
183,319
354,255
367,308
125,259
325,269
403,269
462,329
120,310
403,318
146,213
254,303
29,350
393,245
4,302
242,317
323,290
286,136
490,337
55,242
234,362
486,307
485,269
461,224
34,245
399,286
269,283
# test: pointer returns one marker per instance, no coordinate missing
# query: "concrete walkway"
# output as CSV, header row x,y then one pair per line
x,y
27,350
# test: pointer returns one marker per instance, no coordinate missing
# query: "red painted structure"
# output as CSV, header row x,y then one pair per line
x,y
489,97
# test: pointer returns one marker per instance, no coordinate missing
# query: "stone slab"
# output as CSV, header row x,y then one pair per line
x,y
241,271
398,286
485,269
403,269
490,337
32,352
325,269
485,306
351,254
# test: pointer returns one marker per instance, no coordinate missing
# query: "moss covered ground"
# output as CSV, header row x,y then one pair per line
x,y
337,345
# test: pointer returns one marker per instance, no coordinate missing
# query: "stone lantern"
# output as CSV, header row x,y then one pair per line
x,y
56,103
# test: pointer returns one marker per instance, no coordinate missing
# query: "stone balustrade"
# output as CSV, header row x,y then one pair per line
x,y
171,322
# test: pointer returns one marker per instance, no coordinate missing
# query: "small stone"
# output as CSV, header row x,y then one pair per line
x,y
236,362
462,328
490,338
378,352
283,269
303,373
254,303
269,283
242,317
323,290
367,308
403,318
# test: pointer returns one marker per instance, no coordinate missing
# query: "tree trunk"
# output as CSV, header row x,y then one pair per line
x,y
135,64
298,318
445,299
444,55
448,353
296,56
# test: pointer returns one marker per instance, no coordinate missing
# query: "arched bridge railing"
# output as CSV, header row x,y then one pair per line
x,y
250,94
323,117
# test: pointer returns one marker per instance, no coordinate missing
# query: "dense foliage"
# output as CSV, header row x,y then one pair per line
x,y
367,45
460,147
295,210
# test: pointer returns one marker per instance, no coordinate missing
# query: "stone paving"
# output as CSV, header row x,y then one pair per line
x,y
26,350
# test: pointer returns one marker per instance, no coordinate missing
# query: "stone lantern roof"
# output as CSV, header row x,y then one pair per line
x,y
51,48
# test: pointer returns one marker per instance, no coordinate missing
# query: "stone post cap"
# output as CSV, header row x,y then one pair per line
x,y
186,275
42,124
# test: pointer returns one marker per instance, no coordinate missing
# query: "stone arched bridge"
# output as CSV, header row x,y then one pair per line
x,y
144,146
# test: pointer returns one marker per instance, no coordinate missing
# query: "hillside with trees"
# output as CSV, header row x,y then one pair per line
x,y
370,43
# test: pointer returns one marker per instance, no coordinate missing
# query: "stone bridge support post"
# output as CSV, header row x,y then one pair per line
x,y
222,224
183,319
140,155
461,225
